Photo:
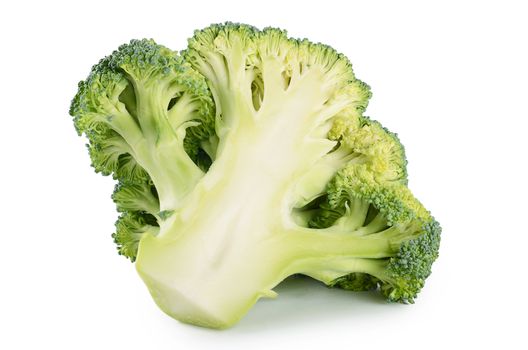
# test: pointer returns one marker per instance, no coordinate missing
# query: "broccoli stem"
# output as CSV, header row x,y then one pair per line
x,y
307,243
160,151
122,122
356,213
328,270
152,104
376,225
171,169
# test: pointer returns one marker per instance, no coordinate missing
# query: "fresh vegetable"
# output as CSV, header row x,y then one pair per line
x,y
245,159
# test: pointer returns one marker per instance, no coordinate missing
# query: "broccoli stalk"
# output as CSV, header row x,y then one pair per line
x,y
281,174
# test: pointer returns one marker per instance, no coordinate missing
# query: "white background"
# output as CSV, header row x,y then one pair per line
x,y
450,78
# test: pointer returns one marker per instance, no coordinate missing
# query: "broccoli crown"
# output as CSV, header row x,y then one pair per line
x,y
248,157
142,94
106,105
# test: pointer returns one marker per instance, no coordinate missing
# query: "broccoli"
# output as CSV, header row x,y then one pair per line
x,y
247,158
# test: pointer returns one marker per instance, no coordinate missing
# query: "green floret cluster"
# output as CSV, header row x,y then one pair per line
x,y
247,158
143,95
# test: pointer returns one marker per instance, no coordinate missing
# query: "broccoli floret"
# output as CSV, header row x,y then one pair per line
x,y
148,117
139,196
246,159
130,227
136,107
384,214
